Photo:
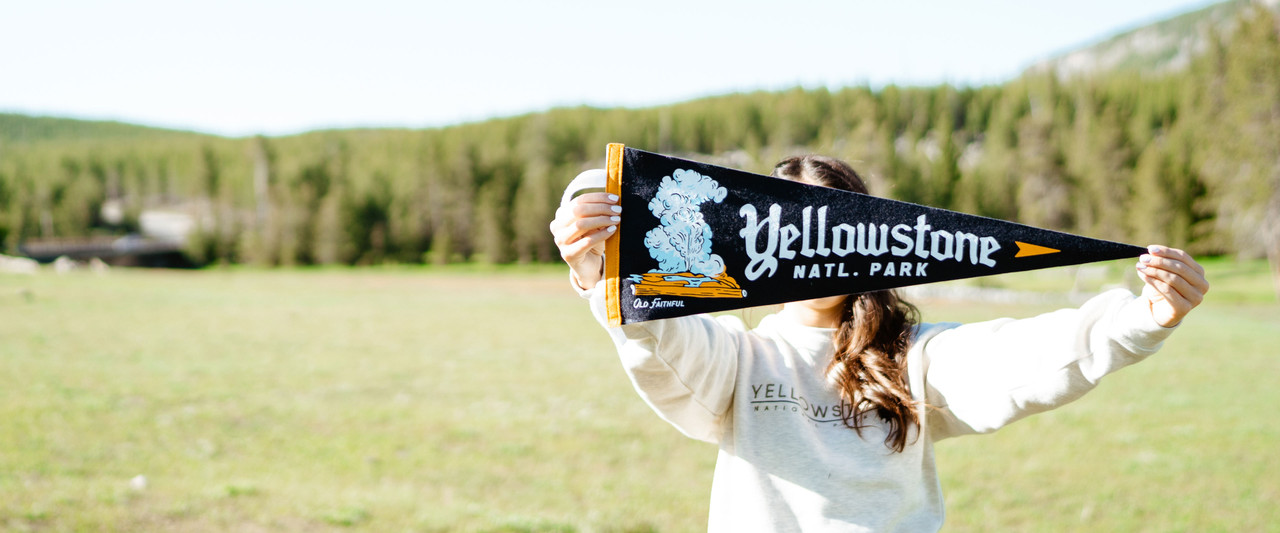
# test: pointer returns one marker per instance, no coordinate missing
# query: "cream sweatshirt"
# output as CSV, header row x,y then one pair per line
x,y
786,460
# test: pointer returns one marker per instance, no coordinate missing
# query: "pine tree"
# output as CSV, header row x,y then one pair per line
x,y
1044,193
1099,162
944,170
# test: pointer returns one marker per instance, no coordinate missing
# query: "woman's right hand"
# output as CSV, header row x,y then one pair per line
x,y
580,229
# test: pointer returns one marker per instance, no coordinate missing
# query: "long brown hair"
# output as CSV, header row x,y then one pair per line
x,y
870,361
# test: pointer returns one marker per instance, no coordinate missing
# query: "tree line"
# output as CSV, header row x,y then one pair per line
x,y
1188,158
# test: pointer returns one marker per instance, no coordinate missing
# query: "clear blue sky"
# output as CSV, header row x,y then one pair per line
x,y
276,67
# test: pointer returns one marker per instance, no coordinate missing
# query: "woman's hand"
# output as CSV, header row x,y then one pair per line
x,y
580,229
1175,283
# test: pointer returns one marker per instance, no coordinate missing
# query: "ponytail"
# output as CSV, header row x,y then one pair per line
x,y
869,366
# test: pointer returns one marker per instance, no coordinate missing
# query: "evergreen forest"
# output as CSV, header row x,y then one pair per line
x,y
1187,157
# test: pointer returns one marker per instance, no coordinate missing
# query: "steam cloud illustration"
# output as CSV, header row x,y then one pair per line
x,y
683,242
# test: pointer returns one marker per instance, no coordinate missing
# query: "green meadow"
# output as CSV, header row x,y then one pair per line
x,y
486,399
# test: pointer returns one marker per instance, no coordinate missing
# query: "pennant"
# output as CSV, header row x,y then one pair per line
x,y
697,238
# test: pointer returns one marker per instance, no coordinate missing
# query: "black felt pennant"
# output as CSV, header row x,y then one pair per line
x,y
700,238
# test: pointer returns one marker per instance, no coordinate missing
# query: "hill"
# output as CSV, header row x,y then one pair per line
x,y
15,128
1156,48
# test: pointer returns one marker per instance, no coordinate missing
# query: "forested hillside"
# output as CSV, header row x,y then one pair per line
x,y
1160,47
1190,158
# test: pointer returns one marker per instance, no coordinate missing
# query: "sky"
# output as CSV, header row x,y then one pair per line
x,y
274,67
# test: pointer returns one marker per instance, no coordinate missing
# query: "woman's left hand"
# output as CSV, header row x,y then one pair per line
x,y
1175,283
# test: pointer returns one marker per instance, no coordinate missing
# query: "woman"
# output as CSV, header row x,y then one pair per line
x,y
826,413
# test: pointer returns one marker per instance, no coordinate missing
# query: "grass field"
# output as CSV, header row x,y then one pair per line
x,y
487,400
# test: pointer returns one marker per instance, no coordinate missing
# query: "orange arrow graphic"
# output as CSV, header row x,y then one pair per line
x,y
1028,250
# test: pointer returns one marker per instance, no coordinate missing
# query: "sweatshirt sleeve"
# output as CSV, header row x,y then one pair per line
x,y
980,377
684,368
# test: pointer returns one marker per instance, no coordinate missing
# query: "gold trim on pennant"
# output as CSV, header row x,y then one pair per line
x,y
612,281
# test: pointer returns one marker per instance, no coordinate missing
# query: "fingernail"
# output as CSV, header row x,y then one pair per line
x,y
1144,258
1155,249
613,229
616,208
615,219
613,197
